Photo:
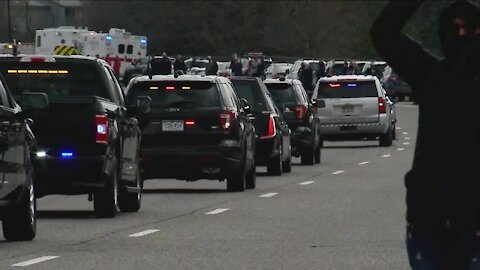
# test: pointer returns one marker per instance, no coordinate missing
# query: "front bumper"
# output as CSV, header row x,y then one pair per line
x,y
192,162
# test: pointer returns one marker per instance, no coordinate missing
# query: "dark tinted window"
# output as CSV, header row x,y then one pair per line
x,y
176,93
57,80
251,91
347,89
121,48
129,49
282,92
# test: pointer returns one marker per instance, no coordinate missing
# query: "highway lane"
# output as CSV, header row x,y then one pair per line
x,y
347,213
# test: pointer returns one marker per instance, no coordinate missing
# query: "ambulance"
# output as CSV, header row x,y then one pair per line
x,y
118,47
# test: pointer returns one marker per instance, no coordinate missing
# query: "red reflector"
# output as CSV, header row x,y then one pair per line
x,y
227,118
37,59
189,122
300,111
170,88
382,108
271,131
101,126
335,85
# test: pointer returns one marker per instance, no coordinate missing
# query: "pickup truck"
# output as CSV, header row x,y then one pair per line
x,y
17,177
88,139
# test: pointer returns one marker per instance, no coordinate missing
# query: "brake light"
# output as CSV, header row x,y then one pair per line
x,y
382,108
335,85
300,111
227,118
101,124
37,59
189,122
272,130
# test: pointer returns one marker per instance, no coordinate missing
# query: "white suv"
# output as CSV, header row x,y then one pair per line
x,y
355,107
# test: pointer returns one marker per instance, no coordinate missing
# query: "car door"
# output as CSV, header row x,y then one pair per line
x,y
14,147
130,134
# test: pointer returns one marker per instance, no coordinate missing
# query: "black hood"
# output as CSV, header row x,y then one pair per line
x,y
470,10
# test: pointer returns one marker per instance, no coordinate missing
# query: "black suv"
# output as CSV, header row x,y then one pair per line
x,y
199,129
88,139
17,196
299,113
273,135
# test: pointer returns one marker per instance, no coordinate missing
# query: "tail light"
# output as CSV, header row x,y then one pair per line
x,y
101,124
382,108
300,111
227,118
272,130
190,122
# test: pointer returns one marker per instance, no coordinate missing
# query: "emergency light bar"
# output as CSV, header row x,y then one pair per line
x,y
36,71
153,87
38,59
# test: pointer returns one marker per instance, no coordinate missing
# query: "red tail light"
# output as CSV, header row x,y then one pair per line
x,y
190,122
272,130
101,126
300,111
227,118
382,108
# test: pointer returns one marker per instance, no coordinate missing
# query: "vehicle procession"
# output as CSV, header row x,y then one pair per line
x,y
92,114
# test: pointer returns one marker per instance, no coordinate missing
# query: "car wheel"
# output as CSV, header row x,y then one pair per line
x,y
318,154
131,201
386,140
236,183
287,164
274,165
20,222
105,202
394,132
251,178
322,142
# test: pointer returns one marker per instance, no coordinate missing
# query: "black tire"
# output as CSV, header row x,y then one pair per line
x,y
251,177
274,165
287,164
307,158
236,183
105,202
322,142
394,132
386,140
318,154
20,222
131,201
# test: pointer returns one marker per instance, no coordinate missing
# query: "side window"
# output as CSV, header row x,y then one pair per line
x,y
129,49
111,85
118,88
270,103
228,101
39,41
121,48
234,96
300,93
4,101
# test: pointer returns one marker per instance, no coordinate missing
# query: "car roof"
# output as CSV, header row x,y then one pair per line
x,y
289,81
363,78
196,78
58,58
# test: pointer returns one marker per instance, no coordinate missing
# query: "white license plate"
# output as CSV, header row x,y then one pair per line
x,y
347,108
172,125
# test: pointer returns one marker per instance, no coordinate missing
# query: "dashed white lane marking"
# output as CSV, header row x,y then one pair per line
x,y
35,261
338,172
406,143
139,234
407,138
405,133
268,195
385,156
306,183
398,128
364,163
217,211
400,149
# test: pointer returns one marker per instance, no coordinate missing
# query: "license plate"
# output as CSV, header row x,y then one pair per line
x,y
172,125
347,108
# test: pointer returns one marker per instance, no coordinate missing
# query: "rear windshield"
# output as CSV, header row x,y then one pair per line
x,y
176,93
282,92
347,89
57,80
251,91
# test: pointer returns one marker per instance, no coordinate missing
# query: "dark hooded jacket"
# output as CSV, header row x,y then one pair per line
x,y
443,186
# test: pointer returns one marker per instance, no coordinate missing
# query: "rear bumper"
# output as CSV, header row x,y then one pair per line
x,y
366,129
302,139
192,162
77,175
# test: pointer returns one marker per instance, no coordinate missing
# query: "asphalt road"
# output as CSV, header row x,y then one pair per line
x,y
347,213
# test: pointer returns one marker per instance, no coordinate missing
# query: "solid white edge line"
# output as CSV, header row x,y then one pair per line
x,y
268,195
35,261
338,172
306,183
217,211
143,233
364,163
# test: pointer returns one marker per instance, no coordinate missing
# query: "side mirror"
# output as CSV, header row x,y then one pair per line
x,y
34,101
246,106
320,103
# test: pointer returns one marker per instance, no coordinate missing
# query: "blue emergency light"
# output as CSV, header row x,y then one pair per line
x,y
352,85
67,154
108,38
143,41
